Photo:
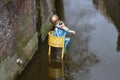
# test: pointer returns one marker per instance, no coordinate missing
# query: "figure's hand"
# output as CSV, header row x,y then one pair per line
x,y
72,31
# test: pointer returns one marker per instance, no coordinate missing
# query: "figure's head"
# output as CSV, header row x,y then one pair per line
x,y
54,19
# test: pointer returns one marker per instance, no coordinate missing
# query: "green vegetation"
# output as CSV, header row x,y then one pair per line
x,y
38,19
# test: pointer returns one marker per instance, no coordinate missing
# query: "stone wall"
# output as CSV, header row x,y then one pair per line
x,y
21,22
46,11
18,36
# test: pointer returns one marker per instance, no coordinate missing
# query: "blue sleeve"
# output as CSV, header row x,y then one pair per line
x,y
56,32
65,32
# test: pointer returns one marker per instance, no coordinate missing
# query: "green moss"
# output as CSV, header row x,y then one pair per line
x,y
5,1
38,18
21,44
17,49
25,41
26,20
53,6
46,27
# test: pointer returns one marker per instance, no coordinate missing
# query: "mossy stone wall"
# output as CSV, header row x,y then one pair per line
x,y
18,36
21,22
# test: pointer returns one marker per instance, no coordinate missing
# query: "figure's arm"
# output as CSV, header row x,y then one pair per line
x,y
71,31
64,27
68,30
56,32
61,25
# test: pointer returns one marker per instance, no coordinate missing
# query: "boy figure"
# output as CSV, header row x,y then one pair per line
x,y
60,29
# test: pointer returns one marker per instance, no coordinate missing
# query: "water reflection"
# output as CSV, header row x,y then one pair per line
x,y
75,66
56,70
80,58
96,35
40,69
110,9
80,68
56,65
91,54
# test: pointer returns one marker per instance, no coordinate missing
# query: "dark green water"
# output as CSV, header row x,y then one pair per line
x,y
93,53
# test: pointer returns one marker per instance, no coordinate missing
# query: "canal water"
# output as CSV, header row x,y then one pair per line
x,y
93,53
